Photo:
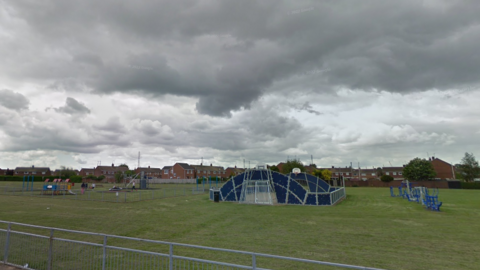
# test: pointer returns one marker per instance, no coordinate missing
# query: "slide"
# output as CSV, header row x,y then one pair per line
x,y
69,191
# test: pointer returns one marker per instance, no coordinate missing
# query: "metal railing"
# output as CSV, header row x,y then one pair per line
x,y
104,196
337,195
49,251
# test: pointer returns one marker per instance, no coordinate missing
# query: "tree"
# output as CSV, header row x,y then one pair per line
x,y
324,174
419,169
66,172
119,177
386,178
293,163
123,165
469,168
274,168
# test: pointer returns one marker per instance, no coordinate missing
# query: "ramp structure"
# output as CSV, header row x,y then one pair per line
x,y
262,186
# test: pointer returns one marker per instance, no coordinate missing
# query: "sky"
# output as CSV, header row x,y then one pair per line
x,y
373,82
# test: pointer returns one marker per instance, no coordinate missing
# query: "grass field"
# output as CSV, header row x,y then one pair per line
x,y
369,228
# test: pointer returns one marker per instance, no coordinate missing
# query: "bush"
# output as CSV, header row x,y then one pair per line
x,y
470,185
386,178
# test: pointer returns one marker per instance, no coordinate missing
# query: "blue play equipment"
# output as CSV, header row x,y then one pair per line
x,y
28,183
428,198
263,186
209,181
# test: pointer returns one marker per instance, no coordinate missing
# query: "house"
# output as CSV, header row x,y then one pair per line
x,y
340,173
395,172
209,171
109,171
149,172
35,171
3,172
167,172
444,170
86,171
232,171
183,171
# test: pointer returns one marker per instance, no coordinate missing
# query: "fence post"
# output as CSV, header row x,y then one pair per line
x,y
50,251
170,257
7,244
104,259
254,261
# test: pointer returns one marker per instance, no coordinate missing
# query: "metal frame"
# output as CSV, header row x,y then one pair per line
x,y
93,258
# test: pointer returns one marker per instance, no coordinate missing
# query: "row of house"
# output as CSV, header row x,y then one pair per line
x,y
443,169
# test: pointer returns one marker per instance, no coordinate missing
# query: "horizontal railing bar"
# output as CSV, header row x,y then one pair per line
x,y
137,250
315,262
213,262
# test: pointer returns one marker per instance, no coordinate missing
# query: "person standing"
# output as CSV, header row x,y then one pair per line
x,y
93,186
83,187
133,185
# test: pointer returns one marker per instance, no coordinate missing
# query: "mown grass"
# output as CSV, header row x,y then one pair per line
x,y
369,228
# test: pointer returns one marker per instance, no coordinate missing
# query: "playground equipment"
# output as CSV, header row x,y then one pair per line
x,y
263,186
428,198
208,181
57,187
28,177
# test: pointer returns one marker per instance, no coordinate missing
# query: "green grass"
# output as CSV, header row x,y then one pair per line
x,y
369,228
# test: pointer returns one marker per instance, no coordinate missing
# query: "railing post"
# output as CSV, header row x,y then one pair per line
x,y
254,261
50,251
170,257
104,259
7,244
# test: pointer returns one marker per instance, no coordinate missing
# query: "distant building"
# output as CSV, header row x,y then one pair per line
x,y
395,172
183,171
209,171
35,171
444,170
167,172
149,172
86,172
109,171
232,171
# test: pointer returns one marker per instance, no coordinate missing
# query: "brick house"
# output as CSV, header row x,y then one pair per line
x,y
35,171
149,172
167,172
183,171
444,170
340,173
207,171
232,171
395,172
86,171
109,171
3,172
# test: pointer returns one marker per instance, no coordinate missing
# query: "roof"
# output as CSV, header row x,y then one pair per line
x,y
207,168
115,168
167,167
32,169
87,169
185,166
392,169
148,169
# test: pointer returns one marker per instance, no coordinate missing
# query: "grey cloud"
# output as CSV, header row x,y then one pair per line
x,y
72,107
400,46
13,100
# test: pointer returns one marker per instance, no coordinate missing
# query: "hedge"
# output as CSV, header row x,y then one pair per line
x,y
470,185
16,178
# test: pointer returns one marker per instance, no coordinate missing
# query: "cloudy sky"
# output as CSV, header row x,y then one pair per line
x,y
373,82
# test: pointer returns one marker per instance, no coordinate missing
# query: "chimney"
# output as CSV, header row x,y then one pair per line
x,y
333,167
149,167
113,165
433,158
235,166
33,166
211,164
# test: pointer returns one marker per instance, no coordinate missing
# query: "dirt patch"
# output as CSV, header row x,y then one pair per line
x,y
8,267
